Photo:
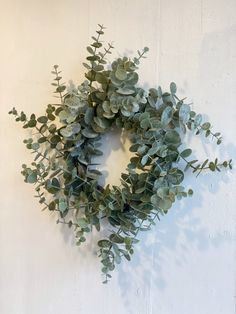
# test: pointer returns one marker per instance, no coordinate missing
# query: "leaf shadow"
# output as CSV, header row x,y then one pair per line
x,y
183,226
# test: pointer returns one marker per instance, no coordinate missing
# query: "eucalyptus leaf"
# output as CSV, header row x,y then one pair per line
x,y
89,133
120,74
186,153
184,113
166,116
32,177
173,88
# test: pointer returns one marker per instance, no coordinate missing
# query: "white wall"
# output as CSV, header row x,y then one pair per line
x,y
187,263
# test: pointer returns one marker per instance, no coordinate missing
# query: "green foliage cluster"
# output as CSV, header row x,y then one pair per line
x,y
67,139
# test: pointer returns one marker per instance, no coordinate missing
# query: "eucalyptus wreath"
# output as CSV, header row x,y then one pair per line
x,y
67,139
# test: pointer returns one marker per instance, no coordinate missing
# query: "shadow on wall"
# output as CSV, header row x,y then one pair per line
x,y
217,66
181,225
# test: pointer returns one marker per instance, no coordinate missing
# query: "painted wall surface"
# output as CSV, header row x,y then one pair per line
x,y
187,263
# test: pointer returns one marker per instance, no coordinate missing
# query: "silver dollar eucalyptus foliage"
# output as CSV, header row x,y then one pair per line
x,y
67,141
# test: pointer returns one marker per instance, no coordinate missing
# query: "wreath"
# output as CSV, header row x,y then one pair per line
x,y
67,141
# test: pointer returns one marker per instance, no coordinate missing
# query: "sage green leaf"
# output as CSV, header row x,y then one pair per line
x,y
32,123
128,241
52,186
155,200
75,128
52,205
212,166
60,89
145,124
166,116
52,128
82,222
190,192
184,113
175,176
56,183
89,133
32,177
134,148
116,238
92,58
106,106
132,79
152,101
163,192
186,153
42,139
206,126
35,146
104,243
62,205
197,120
142,149
89,115
144,116
42,119
144,160
120,73
109,115
101,78
90,50
208,132
159,103
102,123
67,131
173,88
70,129
140,190
153,150
172,137
115,81
117,259
165,204
97,44
67,116
86,66
125,91
162,151
51,117
94,220
55,139
98,67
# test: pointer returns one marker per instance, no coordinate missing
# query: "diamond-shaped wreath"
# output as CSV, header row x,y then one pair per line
x,y
68,138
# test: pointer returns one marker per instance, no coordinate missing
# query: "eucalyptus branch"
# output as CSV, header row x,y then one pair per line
x,y
207,165
95,46
60,87
140,55
106,51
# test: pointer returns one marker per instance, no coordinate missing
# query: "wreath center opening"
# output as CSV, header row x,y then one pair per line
x,y
115,144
